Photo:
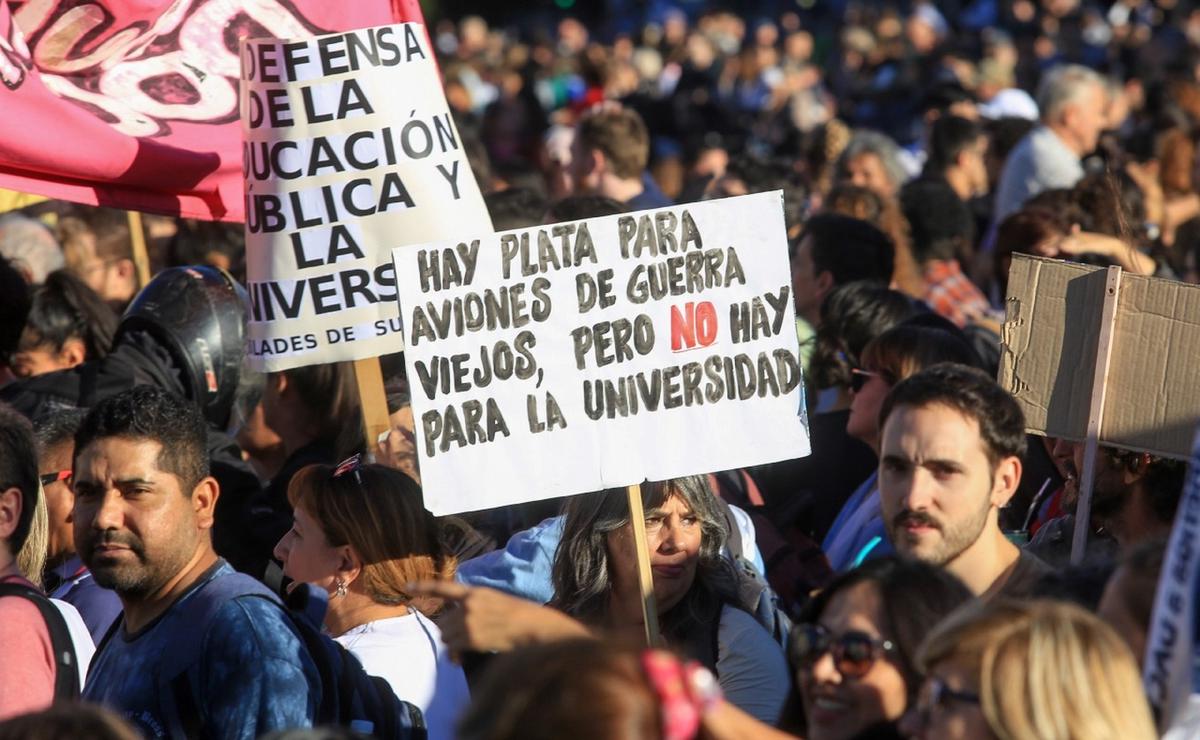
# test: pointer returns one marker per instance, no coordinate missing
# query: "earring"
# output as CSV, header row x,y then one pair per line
x,y
341,587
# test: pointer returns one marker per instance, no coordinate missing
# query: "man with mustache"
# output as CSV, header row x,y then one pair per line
x,y
143,517
950,459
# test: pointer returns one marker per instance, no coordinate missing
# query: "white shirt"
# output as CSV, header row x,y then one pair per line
x,y
408,653
80,637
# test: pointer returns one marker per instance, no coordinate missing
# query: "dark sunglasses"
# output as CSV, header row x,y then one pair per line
x,y
853,652
859,378
49,478
935,693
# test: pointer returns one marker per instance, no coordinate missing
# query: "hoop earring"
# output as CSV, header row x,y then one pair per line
x,y
340,585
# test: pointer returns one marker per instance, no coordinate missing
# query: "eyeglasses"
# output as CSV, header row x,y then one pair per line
x,y
49,478
350,465
859,378
935,693
853,652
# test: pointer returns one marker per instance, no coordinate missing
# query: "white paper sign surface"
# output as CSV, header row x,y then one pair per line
x,y
349,151
590,354
1171,666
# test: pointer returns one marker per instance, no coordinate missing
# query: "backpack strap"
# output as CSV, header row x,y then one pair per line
x,y
66,665
175,689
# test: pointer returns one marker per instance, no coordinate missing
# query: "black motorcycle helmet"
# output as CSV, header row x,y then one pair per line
x,y
199,314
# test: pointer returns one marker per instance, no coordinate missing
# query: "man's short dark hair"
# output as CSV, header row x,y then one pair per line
x,y
53,429
972,393
15,301
515,208
150,413
950,136
940,223
581,206
848,248
18,469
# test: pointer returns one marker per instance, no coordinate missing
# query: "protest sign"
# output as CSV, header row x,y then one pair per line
x,y
603,352
1170,668
133,103
350,150
1051,334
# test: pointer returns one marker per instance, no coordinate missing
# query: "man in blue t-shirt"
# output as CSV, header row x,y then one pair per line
x,y
179,663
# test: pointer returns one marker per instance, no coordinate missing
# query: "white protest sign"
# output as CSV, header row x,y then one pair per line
x,y
1171,671
349,150
599,353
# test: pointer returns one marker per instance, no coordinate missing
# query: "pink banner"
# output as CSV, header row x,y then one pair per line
x,y
133,103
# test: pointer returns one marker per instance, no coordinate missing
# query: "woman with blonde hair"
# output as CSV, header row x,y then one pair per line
x,y
361,534
1028,670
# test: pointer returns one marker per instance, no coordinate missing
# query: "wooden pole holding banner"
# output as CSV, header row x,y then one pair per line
x,y
141,259
368,376
1087,476
637,517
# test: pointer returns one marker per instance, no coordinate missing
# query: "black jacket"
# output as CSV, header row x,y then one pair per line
x,y
139,360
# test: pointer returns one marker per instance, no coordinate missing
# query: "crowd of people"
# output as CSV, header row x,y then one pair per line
x,y
192,549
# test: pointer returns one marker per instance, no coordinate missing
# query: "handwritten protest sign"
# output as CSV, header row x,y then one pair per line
x,y
600,353
349,151
1173,643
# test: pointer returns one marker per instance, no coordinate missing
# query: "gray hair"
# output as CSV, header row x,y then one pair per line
x,y
1064,85
582,582
30,246
882,146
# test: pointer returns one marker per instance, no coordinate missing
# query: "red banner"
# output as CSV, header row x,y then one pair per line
x,y
134,103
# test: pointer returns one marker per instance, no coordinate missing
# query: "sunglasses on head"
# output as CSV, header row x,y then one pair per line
x,y
859,378
349,466
853,652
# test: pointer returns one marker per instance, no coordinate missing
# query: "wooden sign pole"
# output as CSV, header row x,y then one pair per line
x,y
373,401
637,517
141,259
1087,476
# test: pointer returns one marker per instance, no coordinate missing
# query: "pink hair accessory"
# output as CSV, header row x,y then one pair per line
x,y
685,691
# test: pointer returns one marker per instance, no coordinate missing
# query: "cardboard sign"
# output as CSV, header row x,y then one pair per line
x,y
1048,360
1170,676
600,353
350,150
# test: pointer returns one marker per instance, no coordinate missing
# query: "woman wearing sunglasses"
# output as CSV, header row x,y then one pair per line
x,y
1028,670
854,649
858,532
361,534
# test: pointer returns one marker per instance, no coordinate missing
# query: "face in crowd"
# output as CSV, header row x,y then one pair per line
x,y
854,645
855,683
54,466
673,535
137,525
938,488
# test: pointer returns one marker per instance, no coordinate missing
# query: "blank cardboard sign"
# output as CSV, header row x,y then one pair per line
x,y
1049,355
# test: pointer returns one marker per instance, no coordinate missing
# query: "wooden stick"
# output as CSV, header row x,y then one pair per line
x,y
369,378
637,516
141,259
1087,476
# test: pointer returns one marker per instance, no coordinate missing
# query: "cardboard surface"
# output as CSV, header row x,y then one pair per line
x,y
1048,360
